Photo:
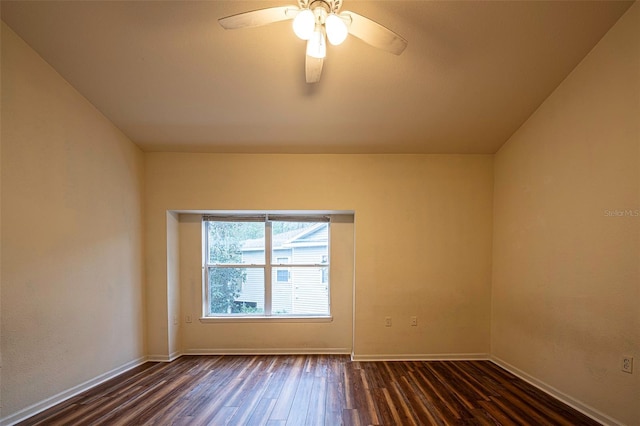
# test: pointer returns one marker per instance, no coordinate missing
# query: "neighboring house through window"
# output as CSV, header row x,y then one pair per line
x,y
324,271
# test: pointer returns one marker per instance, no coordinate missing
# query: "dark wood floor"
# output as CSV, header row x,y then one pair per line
x,y
312,390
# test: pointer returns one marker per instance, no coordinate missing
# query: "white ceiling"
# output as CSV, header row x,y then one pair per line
x,y
172,79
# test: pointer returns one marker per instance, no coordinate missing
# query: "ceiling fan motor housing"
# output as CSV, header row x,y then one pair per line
x,y
329,6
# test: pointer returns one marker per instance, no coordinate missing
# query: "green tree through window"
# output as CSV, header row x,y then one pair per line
x,y
224,244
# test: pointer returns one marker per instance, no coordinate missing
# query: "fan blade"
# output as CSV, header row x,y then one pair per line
x,y
313,69
374,34
256,18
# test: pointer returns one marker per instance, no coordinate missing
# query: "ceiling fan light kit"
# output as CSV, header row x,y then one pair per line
x,y
304,23
337,30
316,21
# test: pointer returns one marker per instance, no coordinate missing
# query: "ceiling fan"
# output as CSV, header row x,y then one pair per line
x,y
316,21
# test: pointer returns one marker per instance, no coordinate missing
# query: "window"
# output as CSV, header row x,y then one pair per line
x,y
282,275
266,266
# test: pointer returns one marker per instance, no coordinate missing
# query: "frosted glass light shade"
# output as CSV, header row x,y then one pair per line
x,y
304,23
316,45
336,29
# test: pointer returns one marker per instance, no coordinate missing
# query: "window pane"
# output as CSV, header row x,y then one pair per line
x,y
236,290
305,294
300,242
282,275
235,242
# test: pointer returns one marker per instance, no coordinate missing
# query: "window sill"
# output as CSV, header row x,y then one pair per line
x,y
300,319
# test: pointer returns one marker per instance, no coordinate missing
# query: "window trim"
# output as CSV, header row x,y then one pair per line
x,y
268,268
257,318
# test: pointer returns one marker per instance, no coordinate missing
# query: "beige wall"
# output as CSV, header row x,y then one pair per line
x,y
566,278
173,283
71,267
422,240
1,411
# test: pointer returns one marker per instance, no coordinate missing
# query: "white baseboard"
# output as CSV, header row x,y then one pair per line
x,y
269,351
420,357
570,401
38,407
164,358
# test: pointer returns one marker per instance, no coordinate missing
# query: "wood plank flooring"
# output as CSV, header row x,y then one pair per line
x,y
312,390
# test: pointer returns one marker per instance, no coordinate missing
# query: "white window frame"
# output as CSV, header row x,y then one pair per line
x,y
268,268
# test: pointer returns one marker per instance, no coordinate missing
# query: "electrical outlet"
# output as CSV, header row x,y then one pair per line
x,y
414,321
387,321
627,364
188,318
